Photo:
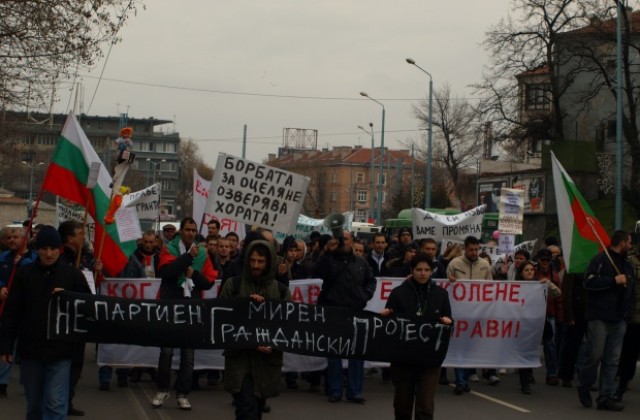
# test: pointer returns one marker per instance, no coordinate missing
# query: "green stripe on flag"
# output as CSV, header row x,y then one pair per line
x,y
69,156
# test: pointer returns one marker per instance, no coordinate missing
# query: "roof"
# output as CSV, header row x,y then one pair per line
x,y
608,26
540,70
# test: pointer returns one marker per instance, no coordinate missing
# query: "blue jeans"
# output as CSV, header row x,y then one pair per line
x,y
335,378
551,349
105,373
185,372
462,376
603,346
5,370
46,385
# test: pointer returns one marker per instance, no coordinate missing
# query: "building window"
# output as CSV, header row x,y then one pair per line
x,y
384,179
611,129
167,185
360,177
169,147
361,215
334,177
362,195
537,96
46,140
384,197
333,196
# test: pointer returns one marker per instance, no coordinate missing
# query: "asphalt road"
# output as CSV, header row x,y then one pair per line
x,y
486,402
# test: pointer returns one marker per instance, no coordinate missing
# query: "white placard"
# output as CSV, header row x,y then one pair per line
x,y
146,202
128,224
453,226
511,215
256,194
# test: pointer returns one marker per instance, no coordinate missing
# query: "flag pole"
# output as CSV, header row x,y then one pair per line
x,y
84,227
604,248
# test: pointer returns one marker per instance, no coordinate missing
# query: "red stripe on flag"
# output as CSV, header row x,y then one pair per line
x,y
584,229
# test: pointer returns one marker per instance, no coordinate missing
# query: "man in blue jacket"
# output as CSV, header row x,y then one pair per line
x,y
609,284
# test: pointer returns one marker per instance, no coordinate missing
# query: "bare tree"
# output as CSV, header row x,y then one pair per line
x,y
457,135
43,40
190,159
525,41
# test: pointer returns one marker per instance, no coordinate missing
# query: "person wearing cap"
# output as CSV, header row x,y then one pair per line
x,y
44,364
168,232
554,323
401,266
405,237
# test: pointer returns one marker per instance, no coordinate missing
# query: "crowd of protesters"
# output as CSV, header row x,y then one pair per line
x,y
592,319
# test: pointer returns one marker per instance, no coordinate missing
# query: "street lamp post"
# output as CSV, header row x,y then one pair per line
x,y
153,165
31,162
427,194
366,95
373,182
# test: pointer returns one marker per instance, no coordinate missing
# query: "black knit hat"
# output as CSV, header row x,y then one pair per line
x,y
48,236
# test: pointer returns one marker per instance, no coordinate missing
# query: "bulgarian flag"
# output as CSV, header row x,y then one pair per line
x,y
67,177
580,232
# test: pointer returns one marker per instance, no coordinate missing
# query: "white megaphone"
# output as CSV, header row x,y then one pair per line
x,y
335,222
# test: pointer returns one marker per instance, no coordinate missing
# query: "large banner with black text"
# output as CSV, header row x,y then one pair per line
x,y
496,322
312,330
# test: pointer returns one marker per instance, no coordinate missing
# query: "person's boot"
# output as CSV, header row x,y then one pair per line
x,y
620,390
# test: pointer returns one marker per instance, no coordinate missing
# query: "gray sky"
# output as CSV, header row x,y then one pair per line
x,y
326,49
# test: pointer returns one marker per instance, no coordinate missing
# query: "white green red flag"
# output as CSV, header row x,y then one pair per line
x,y
579,227
67,177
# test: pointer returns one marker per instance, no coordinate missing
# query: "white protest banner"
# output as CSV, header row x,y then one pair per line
x,y
454,226
511,216
256,194
66,210
200,195
146,202
497,324
128,224
306,225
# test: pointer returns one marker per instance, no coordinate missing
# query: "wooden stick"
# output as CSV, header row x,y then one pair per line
x,y
84,227
593,229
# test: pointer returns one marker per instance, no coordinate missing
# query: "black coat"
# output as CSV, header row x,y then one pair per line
x,y
606,300
25,312
410,298
347,280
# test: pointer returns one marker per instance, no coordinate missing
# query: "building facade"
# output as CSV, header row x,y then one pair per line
x,y
343,179
28,142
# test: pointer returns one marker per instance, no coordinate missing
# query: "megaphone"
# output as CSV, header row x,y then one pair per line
x,y
335,222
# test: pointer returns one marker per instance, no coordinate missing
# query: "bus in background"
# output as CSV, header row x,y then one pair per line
x,y
364,231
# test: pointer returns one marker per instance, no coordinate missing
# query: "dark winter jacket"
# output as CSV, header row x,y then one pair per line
x,y
25,312
411,298
347,280
606,300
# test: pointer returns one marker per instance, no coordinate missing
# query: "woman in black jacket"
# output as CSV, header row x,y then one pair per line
x,y
417,296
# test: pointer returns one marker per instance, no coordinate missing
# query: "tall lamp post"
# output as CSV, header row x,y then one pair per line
x,y
31,162
427,194
153,166
366,95
373,182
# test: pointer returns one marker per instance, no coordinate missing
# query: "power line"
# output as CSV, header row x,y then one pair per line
x,y
235,139
264,95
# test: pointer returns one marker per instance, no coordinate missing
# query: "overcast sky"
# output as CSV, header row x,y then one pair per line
x,y
322,49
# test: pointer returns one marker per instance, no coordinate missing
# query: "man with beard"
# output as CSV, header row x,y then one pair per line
x,y
253,375
609,284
